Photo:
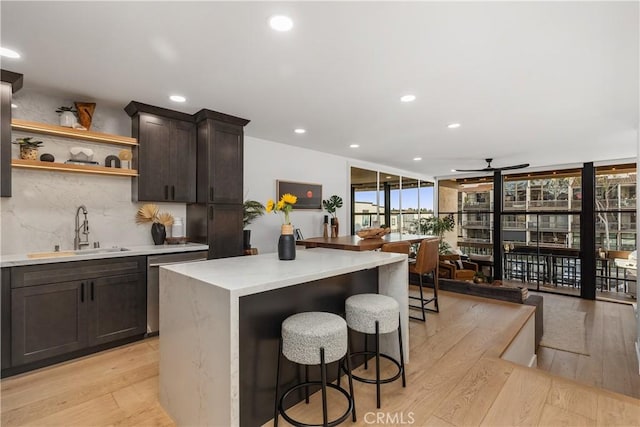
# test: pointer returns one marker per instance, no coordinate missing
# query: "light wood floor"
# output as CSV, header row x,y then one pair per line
x,y
612,363
455,378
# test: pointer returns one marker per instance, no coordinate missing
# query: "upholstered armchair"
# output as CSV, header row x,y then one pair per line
x,y
451,266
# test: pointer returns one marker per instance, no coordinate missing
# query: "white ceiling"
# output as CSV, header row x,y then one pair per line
x,y
539,82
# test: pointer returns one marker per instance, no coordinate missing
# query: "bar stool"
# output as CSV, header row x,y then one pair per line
x,y
314,338
376,314
426,262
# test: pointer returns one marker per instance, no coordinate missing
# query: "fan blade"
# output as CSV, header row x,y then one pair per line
x,y
477,170
523,165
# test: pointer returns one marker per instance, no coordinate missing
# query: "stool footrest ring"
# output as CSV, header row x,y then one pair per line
x,y
373,380
316,383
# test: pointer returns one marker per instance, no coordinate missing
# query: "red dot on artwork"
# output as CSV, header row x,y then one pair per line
x,y
309,194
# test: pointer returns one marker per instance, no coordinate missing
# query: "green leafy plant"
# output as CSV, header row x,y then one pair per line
x,y
437,226
251,210
64,109
332,204
28,142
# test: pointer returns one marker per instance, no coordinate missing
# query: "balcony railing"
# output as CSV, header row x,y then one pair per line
x,y
476,206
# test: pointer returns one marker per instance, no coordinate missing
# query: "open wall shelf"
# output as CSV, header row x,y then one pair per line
x,y
63,167
47,129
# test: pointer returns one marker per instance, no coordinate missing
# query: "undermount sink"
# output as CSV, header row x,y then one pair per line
x,y
99,251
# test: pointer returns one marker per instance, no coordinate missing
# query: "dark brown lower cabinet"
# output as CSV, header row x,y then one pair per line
x,y
69,308
117,308
47,321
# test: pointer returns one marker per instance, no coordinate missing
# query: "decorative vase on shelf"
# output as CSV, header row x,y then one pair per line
x,y
158,233
67,119
334,227
246,238
28,153
287,244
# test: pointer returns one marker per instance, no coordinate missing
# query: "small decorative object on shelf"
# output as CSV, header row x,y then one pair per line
x,y
372,233
28,148
67,116
85,113
125,156
331,205
160,220
112,162
286,243
46,157
325,226
81,154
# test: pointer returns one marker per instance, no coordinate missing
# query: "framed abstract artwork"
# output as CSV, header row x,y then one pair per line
x,y
309,195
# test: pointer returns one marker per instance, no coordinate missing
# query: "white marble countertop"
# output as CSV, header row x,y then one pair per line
x,y
23,259
248,275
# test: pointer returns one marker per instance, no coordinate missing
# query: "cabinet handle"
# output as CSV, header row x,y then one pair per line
x,y
173,192
166,192
92,291
210,212
211,194
82,292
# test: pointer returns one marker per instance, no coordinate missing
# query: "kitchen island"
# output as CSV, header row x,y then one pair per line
x,y
220,323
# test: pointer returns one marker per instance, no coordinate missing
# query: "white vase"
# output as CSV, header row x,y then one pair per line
x,y
67,119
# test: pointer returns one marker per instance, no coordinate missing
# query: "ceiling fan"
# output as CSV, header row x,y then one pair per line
x,y
490,168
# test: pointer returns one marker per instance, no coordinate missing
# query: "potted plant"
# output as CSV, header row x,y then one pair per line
x,y
438,226
331,205
28,148
251,210
286,243
67,116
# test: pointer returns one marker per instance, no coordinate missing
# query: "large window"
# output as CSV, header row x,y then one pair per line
x,y
385,199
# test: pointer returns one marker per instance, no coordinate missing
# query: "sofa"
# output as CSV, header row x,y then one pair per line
x,y
502,293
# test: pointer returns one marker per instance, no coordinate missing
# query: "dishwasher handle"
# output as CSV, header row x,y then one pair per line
x,y
160,264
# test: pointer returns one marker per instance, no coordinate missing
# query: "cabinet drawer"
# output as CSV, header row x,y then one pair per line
x,y
74,270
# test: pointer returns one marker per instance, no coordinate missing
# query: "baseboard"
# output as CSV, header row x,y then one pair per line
x,y
533,363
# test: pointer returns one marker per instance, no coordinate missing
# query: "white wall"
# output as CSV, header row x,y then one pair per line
x,y
41,211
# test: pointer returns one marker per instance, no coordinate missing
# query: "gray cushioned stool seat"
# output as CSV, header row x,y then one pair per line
x,y
364,309
304,333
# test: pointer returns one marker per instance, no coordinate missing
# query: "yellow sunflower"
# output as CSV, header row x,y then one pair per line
x,y
270,205
289,199
280,205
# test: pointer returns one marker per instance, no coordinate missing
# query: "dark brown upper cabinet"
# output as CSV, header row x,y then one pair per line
x,y
10,83
220,157
165,156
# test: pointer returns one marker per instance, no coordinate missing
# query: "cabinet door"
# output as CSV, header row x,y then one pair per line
x,y
117,308
48,320
225,163
183,166
5,140
224,230
154,159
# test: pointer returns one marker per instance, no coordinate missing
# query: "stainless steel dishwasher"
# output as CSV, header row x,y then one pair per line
x,y
153,280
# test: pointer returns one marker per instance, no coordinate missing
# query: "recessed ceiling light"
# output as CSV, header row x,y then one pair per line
x,y
417,159
453,170
300,131
177,98
9,53
354,146
408,98
453,125
281,23
14,106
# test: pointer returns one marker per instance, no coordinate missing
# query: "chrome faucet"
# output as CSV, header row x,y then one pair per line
x,y
77,243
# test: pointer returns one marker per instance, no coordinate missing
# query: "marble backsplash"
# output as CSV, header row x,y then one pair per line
x,y
41,212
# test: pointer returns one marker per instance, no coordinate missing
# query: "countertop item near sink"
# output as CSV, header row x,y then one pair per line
x,y
81,255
